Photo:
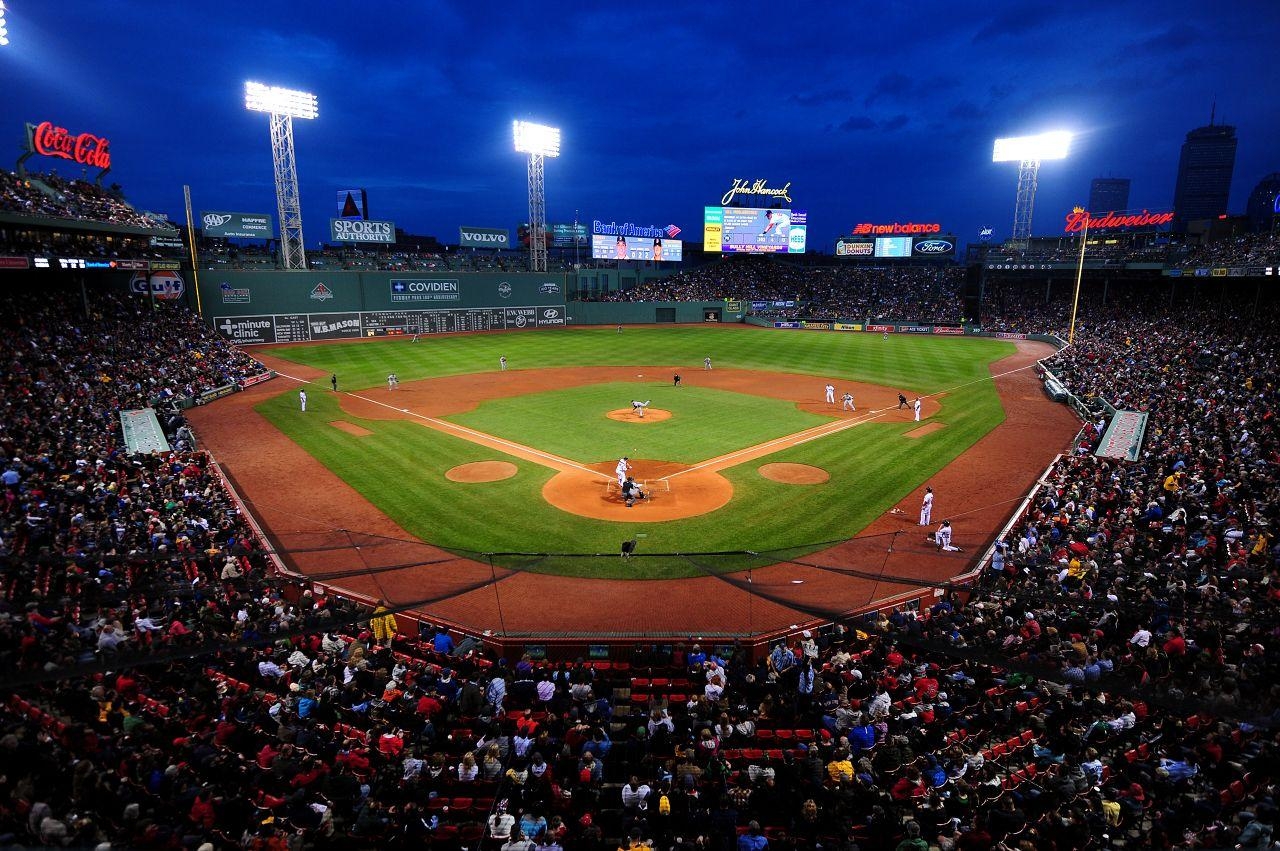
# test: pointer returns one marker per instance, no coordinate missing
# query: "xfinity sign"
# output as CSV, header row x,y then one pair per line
x,y
357,230
484,237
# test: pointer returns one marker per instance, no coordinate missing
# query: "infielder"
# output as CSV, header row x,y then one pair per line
x,y
926,507
502,363
915,406
848,402
637,407
621,471
943,538
391,381
831,394
706,363
302,400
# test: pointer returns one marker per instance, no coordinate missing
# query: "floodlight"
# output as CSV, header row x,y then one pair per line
x,y
1046,146
278,101
536,139
4,31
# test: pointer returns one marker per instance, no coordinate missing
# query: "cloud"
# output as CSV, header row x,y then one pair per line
x,y
857,122
1017,21
819,98
895,123
1177,37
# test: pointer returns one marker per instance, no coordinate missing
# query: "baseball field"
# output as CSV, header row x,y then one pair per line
x,y
745,456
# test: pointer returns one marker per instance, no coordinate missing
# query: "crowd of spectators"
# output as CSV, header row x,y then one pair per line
x,y
1113,679
51,196
908,293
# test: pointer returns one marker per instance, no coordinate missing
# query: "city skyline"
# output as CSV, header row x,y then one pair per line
x,y
873,118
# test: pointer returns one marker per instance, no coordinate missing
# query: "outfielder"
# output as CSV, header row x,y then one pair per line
x,y
831,394
637,407
848,402
926,507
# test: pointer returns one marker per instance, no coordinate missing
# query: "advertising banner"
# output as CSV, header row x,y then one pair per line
x,y
855,247
334,326
816,326
915,329
847,326
469,237
882,329
14,263
237,225
362,231
425,289
786,325
568,234
946,330
353,204
934,247
257,379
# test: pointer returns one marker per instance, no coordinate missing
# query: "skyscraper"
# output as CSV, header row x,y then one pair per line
x,y
1108,195
1264,203
1204,174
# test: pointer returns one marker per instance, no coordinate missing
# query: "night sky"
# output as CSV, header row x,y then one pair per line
x,y
874,111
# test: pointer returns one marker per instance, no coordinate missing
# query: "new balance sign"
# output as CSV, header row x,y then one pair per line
x,y
483,237
345,230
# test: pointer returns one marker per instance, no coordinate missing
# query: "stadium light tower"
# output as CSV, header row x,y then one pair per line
x,y
1028,152
284,105
4,27
539,142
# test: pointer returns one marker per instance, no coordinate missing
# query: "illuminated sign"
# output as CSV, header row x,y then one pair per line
x,y
85,148
910,228
484,237
893,246
237,225
755,187
855,248
1077,219
933,246
628,229
357,230
636,248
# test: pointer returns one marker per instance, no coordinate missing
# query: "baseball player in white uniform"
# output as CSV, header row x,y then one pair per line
x,y
848,402
302,400
637,407
706,363
943,537
926,508
502,363
621,471
915,406
831,394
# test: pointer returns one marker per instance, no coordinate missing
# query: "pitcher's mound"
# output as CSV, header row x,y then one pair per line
x,y
481,471
651,415
795,474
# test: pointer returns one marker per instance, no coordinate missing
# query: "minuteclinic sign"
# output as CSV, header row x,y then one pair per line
x,y
358,230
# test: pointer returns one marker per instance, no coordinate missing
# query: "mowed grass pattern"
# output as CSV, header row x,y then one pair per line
x,y
400,467
705,422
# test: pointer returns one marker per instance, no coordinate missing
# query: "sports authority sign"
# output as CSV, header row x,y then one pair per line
x,y
236,225
483,237
49,140
1077,219
358,230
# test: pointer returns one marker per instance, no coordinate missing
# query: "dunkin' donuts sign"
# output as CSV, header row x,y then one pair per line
x,y
49,140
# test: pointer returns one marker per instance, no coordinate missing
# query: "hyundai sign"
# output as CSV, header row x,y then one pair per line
x,y
469,237
347,230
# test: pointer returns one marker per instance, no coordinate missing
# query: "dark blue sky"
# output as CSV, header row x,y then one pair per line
x,y
874,112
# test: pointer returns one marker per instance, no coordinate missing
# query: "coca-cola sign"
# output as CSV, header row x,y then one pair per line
x,y
50,140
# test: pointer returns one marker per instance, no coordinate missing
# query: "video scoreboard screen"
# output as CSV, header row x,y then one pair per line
x,y
748,230
605,247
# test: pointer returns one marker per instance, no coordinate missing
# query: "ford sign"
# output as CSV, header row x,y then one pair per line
x,y
933,246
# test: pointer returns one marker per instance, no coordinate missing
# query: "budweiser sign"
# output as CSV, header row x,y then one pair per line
x,y
1077,220
84,148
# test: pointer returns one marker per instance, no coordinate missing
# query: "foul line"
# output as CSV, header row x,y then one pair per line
x,y
769,447
554,462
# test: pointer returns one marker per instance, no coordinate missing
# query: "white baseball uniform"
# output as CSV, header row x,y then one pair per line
x,y
831,394
926,508
502,362
621,471
302,399
916,407
637,407
848,402
943,537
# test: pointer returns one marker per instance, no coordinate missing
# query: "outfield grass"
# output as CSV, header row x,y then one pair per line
x,y
915,363
705,422
400,467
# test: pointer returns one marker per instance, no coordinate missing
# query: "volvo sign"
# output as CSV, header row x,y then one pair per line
x,y
483,237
